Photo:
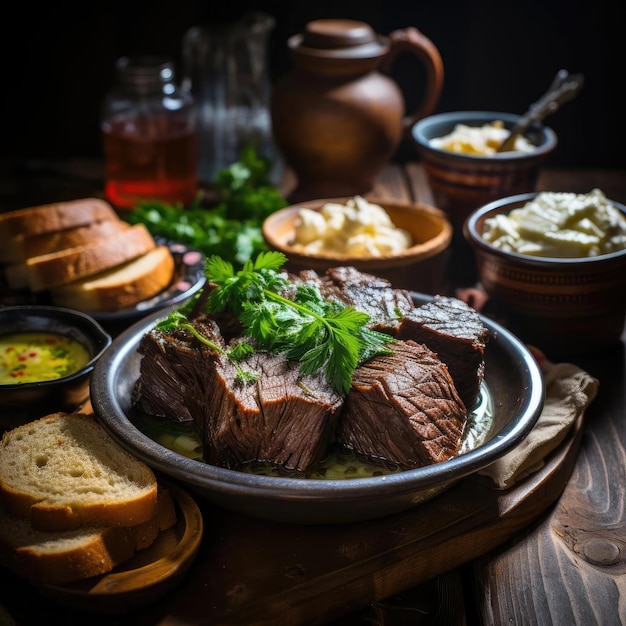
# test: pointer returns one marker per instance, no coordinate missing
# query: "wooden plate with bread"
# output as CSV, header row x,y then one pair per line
x,y
85,521
80,254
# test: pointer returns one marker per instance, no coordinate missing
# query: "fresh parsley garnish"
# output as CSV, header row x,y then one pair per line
x,y
178,320
293,318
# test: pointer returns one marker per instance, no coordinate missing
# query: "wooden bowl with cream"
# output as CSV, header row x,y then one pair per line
x,y
420,266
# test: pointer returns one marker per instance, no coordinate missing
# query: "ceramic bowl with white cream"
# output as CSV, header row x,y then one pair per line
x,y
554,267
459,153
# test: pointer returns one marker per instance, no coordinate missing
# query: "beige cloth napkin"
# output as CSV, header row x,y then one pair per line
x,y
569,391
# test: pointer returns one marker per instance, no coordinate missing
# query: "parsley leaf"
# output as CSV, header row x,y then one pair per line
x,y
323,335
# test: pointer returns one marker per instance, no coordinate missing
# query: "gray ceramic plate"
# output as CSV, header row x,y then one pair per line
x,y
513,382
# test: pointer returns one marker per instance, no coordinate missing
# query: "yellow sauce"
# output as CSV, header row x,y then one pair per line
x,y
38,356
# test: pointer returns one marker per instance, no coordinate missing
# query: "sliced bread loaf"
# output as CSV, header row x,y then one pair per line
x,y
67,556
120,287
20,248
58,268
64,472
49,218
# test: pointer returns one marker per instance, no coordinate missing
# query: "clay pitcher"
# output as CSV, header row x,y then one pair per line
x,y
338,117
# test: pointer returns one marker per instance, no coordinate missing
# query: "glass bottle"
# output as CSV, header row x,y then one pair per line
x,y
226,68
149,135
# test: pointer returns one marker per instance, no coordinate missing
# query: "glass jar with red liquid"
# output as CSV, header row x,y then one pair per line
x,y
149,135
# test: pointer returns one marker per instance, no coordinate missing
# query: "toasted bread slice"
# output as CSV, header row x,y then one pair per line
x,y
49,218
58,268
20,248
67,556
64,472
120,287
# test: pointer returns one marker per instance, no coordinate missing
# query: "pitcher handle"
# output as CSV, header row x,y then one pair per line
x,y
415,42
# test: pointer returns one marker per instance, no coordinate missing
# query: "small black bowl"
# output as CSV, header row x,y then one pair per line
x,y
22,402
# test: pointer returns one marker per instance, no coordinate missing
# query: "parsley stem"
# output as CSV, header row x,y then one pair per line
x,y
242,375
202,338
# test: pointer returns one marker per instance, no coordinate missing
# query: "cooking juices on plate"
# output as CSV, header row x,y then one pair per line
x,y
149,135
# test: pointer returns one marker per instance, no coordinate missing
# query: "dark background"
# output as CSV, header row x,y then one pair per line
x,y
498,56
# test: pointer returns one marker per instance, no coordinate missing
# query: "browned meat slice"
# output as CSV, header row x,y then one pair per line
x,y
365,292
403,408
172,379
283,418
453,330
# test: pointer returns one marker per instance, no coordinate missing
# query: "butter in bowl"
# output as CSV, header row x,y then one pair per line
x,y
402,242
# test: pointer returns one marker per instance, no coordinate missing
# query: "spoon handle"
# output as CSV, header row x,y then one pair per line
x,y
563,88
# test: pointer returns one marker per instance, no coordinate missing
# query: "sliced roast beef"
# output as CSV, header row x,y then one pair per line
x,y
284,418
453,330
365,292
403,408
173,378
408,407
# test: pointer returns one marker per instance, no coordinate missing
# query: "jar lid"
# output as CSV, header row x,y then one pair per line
x,y
340,39
145,70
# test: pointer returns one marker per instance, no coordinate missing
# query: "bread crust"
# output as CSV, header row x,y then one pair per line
x,y
120,287
44,272
64,472
20,248
68,556
48,218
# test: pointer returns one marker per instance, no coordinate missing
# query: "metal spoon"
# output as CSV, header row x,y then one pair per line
x,y
563,88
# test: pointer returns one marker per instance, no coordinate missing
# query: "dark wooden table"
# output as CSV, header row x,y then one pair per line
x,y
560,559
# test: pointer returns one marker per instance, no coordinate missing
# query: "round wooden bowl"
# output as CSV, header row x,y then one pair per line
x,y
420,268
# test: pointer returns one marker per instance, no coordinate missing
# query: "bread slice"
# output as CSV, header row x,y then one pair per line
x,y
62,557
120,287
58,268
48,218
19,248
64,471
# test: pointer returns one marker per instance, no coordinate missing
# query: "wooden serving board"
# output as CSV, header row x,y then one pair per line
x,y
267,573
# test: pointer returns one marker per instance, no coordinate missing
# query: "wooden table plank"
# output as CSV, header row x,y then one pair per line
x,y
571,568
